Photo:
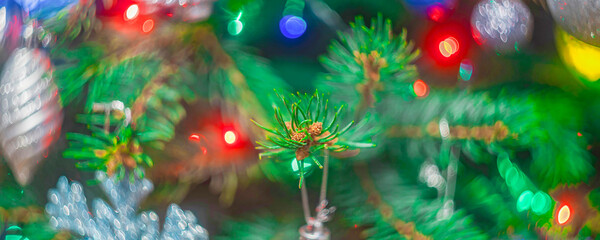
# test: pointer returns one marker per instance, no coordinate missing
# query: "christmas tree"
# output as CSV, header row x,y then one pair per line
x,y
299,119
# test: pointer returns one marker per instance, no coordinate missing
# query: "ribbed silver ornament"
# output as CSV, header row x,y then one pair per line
x,y
579,18
31,115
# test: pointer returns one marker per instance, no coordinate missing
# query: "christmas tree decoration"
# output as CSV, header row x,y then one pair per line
x,y
578,18
67,208
11,24
578,56
31,111
502,25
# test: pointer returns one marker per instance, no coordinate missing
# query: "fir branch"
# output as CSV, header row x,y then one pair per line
x,y
405,211
371,63
303,132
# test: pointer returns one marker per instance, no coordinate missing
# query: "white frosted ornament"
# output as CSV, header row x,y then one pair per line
x,y
67,209
502,25
580,18
31,115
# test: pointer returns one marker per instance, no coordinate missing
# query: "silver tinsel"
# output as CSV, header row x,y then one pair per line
x,y
68,210
502,25
30,112
580,18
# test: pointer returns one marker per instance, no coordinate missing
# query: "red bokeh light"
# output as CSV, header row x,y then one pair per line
x,y
563,215
132,12
447,43
148,25
436,13
420,88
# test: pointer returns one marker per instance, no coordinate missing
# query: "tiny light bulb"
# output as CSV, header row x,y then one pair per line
x,y
230,137
564,214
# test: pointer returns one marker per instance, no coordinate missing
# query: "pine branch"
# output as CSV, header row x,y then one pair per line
x,y
487,123
369,64
404,211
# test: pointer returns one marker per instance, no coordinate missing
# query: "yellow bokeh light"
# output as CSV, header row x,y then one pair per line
x,y
579,56
230,137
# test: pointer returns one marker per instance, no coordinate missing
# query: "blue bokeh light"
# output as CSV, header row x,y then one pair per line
x,y
292,26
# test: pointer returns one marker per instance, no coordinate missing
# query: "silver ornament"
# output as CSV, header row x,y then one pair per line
x,y
31,115
580,18
502,25
11,24
68,210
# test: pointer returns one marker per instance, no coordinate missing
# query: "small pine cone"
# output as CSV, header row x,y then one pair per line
x,y
298,136
302,152
315,128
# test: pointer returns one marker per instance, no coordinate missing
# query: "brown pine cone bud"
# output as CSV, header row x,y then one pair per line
x,y
315,128
298,136
302,152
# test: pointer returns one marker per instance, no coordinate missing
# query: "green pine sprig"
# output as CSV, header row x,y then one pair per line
x,y
113,152
304,126
369,64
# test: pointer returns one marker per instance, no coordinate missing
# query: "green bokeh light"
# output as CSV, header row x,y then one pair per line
x,y
504,164
524,201
466,70
540,203
514,179
235,27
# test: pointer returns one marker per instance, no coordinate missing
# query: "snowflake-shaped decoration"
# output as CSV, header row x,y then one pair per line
x,y
68,210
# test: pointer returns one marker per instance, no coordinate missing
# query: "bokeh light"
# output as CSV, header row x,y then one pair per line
x,y
132,12
195,137
148,26
292,26
420,88
447,43
540,203
230,137
449,46
235,27
466,70
436,13
564,214
524,201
